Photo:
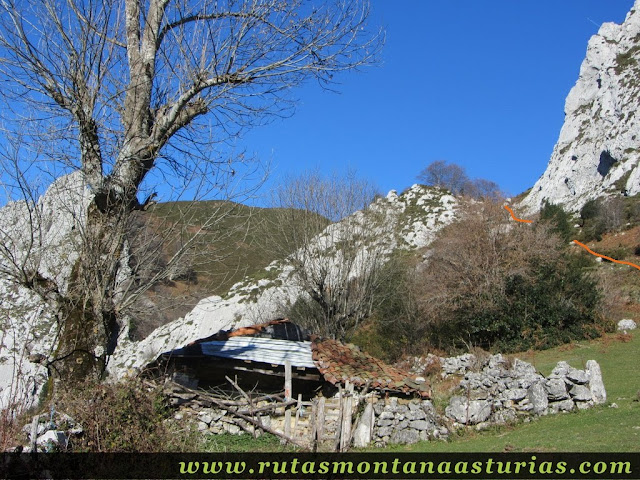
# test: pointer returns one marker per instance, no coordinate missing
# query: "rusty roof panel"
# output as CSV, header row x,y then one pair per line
x,y
339,362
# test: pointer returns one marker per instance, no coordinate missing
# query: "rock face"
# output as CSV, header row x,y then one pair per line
x,y
27,326
598,150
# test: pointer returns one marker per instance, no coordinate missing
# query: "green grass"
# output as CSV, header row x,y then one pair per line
x,y
243,443
601,428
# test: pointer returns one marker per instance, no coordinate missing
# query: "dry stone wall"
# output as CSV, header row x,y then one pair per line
x,y
497,390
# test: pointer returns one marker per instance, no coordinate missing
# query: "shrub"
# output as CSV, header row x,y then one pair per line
x,y
394,328
122,417
507,287
603,215
559,220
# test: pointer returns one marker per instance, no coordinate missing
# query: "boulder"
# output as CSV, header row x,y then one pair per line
x,y
363,431
627,324
557,389
538,398
562,406
419,425
53,440
577,376
596,385
560,370
515,394
468,412
406,436
580,393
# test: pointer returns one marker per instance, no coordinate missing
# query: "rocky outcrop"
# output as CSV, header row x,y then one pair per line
x,y
28,328
598,150
36,237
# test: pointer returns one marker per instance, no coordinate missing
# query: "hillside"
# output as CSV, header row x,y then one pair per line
x,y
233,241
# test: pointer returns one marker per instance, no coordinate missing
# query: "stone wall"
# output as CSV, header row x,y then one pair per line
x,y
406,421
496,390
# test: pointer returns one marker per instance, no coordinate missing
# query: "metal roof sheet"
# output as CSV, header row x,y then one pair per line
x,y
266,350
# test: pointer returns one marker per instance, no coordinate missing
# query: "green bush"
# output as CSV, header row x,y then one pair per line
x,y
560,220
557,304
608,214
393,328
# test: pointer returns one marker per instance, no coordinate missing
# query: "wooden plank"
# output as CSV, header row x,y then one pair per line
x,y
345,430
288,394
287,423
298,376
313,425
297,420
336,442
320,419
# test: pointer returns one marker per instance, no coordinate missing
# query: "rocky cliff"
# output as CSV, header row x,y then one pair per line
x,y
598,150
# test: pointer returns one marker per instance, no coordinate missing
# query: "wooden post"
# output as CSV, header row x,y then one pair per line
x,y
288,395
339,421
320,420
298,408
312,425
345,435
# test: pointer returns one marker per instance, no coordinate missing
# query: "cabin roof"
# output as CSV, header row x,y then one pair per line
x,y
341,362
337,362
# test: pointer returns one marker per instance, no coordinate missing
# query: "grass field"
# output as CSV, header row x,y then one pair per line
x,y
602,429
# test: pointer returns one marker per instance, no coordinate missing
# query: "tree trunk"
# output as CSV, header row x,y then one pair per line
x,y
88,313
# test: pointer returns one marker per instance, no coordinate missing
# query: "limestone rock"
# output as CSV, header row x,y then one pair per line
x,y
363,431
627,324
596,385
515,394
419,424
557,389
538,398
577,376
53,440
598,150
405,436
580,393
468,412
562,406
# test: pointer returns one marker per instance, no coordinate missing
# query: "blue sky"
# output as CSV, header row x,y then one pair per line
x,y
480,83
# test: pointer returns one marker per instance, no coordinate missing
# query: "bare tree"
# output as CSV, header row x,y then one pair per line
x,y
340,240
454,178
134,93
445,175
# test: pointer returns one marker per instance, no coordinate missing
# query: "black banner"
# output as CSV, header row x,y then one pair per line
x,y
321,465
